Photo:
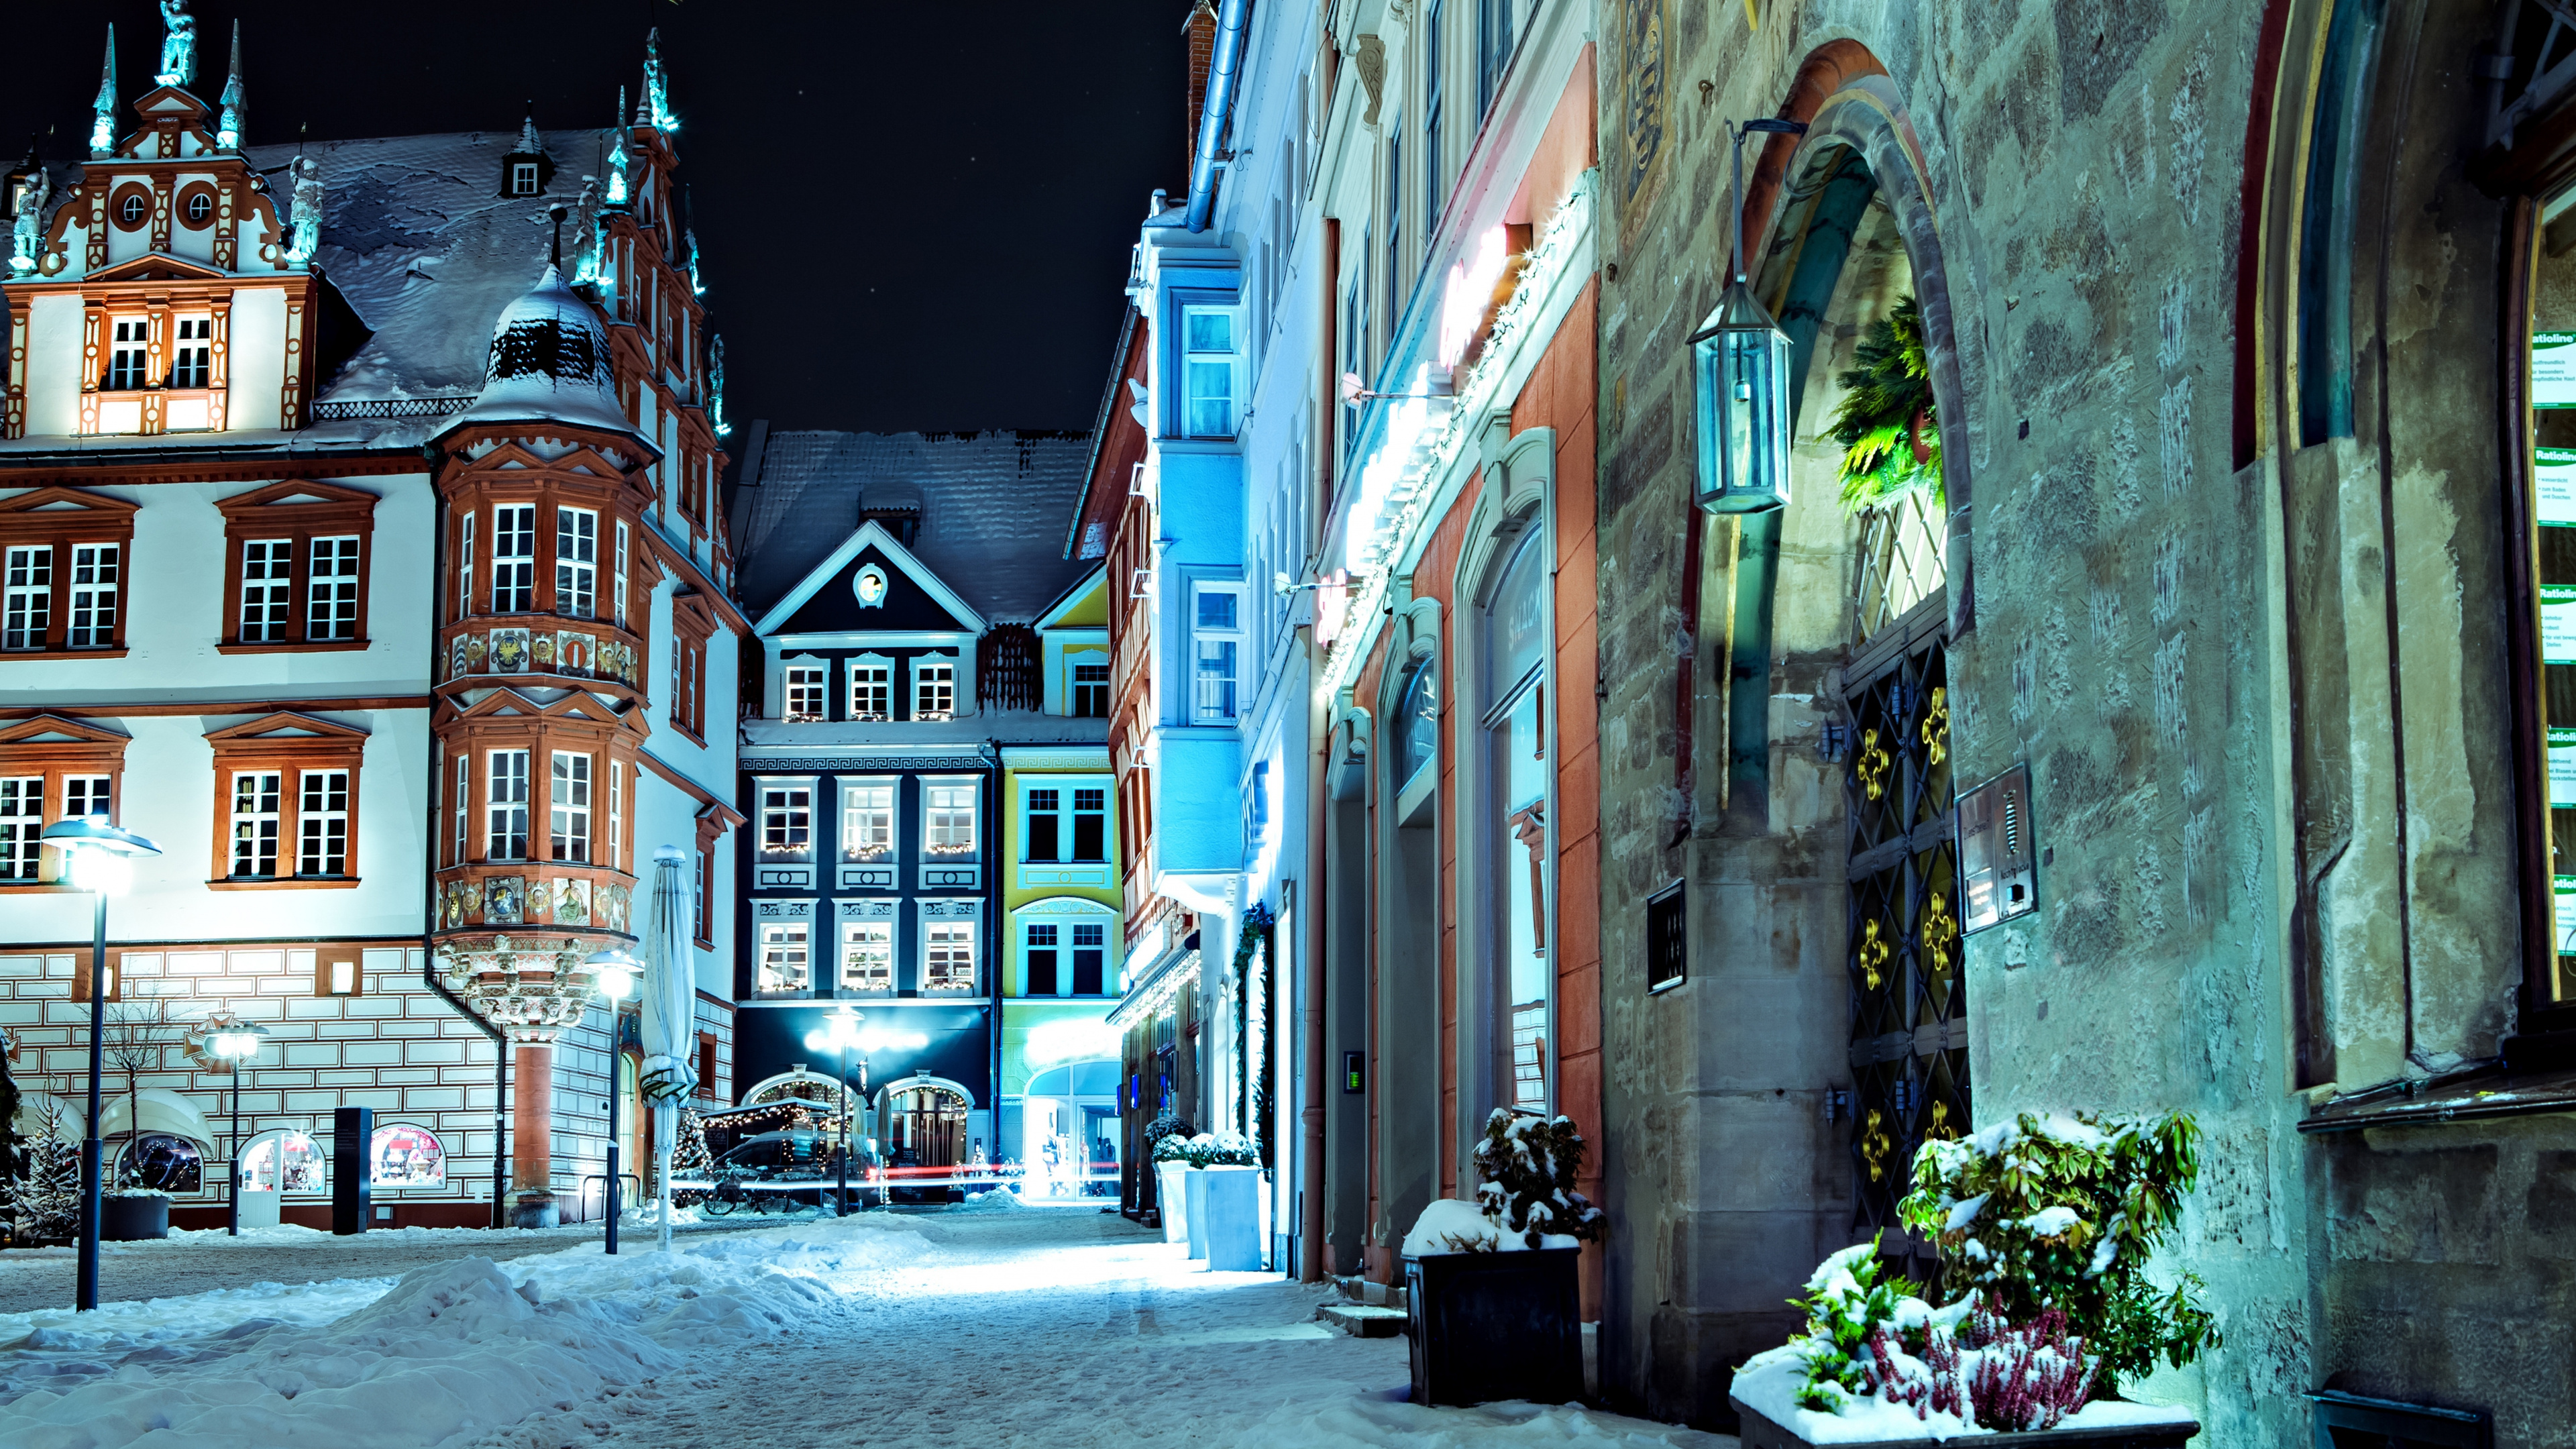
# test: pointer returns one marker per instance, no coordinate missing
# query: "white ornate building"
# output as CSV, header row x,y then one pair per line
x,y
372,567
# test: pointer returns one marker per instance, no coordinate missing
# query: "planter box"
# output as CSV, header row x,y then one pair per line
x,y
1755,1431
1168,1200
1194,1192
1489,1326
132,1219
1231,1220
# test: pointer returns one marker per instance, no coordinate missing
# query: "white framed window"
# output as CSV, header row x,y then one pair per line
x,y
96,574
616,813
463,809
22,826
505,806
867,821
787,821
948,819
1216,652
934,687
948,956
523,178
576,563
1043,839
268,589
514,558
1090,824
129,361
192,358
621,573
1090,951
1041,959
704,873
331,607
322,823
1207,372
785,959
26,597
867,956
85,796
465,567
255,824
805,691
568,803
1090,688
871,688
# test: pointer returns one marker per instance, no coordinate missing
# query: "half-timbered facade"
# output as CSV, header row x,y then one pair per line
x,y
357,516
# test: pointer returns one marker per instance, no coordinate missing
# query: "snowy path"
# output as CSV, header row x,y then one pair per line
x,y
1061,1327
1027,1326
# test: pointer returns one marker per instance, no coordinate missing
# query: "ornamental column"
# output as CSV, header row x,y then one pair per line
x,y
534,989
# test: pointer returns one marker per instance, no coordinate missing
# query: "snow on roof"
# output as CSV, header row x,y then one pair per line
x,y
988,502
549,363
418,238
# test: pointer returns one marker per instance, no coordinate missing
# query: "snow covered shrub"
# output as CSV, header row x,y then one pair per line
x,y
1847,1302
1168,1134
1208,1149
2026,1378
2061,1213
1525,1170
44,1199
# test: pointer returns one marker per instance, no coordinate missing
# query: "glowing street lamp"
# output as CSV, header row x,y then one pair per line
x,y
614,971
839,1033
238,1043
1740,381
101,859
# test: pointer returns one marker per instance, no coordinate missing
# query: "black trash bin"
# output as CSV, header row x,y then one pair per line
x,y
1491,1326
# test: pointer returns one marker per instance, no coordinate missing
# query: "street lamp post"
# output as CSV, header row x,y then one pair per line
x,y
616,982
238,1044
101,859
840,1032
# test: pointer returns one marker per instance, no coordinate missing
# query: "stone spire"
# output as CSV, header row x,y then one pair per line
x,y
617,153
657,86
228,130
102,131
530,143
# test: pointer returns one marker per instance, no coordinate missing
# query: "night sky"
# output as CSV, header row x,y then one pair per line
x,y
915,216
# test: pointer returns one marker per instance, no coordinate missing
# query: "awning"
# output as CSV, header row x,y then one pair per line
x,y
1157,986
160,1110
30,1120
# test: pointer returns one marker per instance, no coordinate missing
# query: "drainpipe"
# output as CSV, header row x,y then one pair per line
x,y
991,851
1224,69
429,886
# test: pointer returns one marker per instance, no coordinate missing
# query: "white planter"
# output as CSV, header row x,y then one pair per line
x,y
1170,1199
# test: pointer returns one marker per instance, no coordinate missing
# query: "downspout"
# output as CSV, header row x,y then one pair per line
x,y
1310,1007
429,879
993,936
1224,67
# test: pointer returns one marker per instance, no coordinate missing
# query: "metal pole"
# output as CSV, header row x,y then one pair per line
x,y
616,1059
240,1065
844,1041
90,1185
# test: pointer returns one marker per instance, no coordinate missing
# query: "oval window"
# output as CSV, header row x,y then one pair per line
x,y
200,207
402,1155
132,210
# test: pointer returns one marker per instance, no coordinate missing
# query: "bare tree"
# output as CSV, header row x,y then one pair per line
x,y
140,1036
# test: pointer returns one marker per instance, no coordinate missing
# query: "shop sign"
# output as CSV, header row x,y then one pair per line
x,y
2558,623
2553,473
2564,888
2553,369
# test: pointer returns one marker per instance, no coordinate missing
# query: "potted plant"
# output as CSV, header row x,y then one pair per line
x,y
1171,1139
1490,1296
2048,1223
132,1213
1225,1203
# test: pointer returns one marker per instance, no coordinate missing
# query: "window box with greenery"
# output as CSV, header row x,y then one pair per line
x,y
2046,1224
1491,1299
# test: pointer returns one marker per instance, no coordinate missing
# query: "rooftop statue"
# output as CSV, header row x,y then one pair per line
x,y
178,44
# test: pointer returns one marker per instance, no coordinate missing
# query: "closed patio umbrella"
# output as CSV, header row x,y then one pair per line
x,y
669,991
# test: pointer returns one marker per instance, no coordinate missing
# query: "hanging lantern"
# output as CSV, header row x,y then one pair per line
x,y
1739,372
1740,379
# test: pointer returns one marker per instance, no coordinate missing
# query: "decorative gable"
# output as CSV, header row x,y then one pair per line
x,y
871,584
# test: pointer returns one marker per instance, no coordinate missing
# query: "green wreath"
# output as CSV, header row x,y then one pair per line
x,y
1887,423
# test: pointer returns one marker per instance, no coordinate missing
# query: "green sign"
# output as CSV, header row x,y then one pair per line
x,y
2558,623
2553,486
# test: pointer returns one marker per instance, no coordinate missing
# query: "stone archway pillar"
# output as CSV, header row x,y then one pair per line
x,y
532,1111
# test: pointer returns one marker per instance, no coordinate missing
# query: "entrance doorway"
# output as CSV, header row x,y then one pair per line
x,y
926,1125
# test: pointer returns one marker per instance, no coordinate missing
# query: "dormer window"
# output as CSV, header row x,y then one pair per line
x,y
129,364
523,178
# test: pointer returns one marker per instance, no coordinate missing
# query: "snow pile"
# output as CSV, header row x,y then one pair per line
x,y
450,1350
1448,1225
1769,1385
1000,1199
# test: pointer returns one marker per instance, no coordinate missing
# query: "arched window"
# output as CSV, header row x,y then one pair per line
x,y
161,1160
1416,725
288,1161
400,1154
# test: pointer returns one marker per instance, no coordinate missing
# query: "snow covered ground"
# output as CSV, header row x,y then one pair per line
x,y
1055,1326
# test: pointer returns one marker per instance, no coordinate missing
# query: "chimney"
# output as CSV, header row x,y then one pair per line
x,y
1201,33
